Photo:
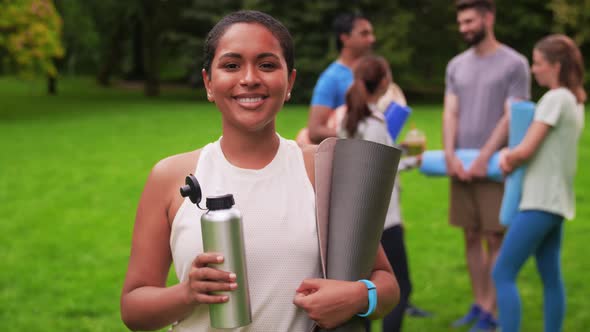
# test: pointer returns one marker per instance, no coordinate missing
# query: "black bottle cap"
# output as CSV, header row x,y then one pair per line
x,y
220,202
192,190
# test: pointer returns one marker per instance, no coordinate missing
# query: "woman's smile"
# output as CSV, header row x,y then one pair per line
x,y
250,101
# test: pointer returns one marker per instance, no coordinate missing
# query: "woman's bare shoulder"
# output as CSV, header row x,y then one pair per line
x,y
177,164
167,176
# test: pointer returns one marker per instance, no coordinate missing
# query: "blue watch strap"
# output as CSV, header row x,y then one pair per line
x,y
372,297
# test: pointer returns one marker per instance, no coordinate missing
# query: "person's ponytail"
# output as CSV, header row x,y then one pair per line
x,y
576,77
357,108
369,74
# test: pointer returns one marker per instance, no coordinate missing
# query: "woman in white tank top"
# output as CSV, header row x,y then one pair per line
x,y
248,73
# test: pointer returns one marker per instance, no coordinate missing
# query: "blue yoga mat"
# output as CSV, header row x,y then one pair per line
x,y
433,163
522,114
395,117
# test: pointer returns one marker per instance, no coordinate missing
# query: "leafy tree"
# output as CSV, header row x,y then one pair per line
x,y
30,36
161,23
310,24
113,22
80,37
573,19
185,38
418,37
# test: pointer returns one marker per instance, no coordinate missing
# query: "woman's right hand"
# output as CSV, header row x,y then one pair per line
x,y
455,168
329,302
204,280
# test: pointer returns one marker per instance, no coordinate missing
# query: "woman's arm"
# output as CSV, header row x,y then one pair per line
x,y
146,303
512,158
387,287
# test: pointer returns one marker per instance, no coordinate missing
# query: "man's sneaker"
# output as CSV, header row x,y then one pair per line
x,y
471,316
485,323
414,311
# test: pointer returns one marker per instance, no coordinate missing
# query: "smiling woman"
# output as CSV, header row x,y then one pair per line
x,y
248,74
248,84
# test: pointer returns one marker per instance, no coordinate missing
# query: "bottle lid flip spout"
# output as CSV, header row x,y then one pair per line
x,y
192,190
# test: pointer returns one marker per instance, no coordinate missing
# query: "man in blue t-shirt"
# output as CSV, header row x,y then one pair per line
x,y
354,38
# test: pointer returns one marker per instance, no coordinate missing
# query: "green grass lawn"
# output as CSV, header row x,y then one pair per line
x,y
72,168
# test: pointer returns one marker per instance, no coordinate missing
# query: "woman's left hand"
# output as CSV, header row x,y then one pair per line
x,y
331,303
505,165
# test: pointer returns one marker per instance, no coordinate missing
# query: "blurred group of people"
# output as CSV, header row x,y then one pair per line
x,y
249,73
352,94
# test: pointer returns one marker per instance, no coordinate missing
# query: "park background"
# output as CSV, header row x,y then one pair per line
x,y
94,93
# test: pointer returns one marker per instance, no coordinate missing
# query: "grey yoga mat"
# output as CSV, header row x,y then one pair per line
x,y
362,174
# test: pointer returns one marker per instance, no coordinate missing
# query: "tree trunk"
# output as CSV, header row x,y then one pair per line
x,y
52,85
151,53
112,58
138,68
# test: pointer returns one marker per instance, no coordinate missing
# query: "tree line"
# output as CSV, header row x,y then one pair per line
x,y
155,41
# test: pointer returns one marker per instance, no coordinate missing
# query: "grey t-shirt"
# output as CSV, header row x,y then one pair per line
x,y
482,85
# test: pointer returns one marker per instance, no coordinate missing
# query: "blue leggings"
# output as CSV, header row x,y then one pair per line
x,y
539,233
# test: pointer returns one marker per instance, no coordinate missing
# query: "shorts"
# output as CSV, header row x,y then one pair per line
x,y
476,205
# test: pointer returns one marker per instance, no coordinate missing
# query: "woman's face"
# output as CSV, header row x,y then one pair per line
x,y
249,77
546,73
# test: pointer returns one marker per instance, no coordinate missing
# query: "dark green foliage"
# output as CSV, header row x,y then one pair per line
x,y
163,40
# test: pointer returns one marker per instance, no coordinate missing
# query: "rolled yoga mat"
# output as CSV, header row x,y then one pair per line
x,y
522,114
433,163
362,178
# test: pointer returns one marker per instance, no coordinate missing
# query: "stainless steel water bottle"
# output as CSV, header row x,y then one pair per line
x,y
221,231
221,228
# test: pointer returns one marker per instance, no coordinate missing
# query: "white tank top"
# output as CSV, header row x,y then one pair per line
x,y
277,204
